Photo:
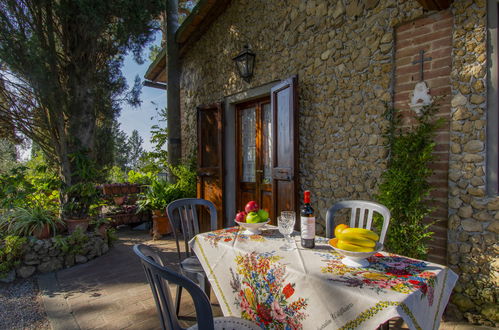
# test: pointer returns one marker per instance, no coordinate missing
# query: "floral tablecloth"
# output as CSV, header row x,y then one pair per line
x,y
311,289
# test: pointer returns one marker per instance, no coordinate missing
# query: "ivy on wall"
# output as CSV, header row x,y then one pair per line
x,y
405,188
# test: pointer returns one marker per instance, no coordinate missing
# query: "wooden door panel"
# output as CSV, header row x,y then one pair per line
x,y
284,137
286,192
210,160
209,189
246,196
253,131
284,107
267,203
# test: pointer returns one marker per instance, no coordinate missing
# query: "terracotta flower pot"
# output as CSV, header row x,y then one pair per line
x,y
119,200
42,233
72,224
160,223
134,189
102,230
116,189
107,189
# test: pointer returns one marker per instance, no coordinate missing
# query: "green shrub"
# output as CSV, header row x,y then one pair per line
x,y
71,244
36,183
161,192
140,177
27,221
11,251
116,174
111,236
405,187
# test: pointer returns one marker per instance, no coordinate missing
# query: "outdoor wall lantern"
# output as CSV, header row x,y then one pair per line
x,y
245,63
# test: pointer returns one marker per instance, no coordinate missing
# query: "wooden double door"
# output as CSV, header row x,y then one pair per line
x,y
266,149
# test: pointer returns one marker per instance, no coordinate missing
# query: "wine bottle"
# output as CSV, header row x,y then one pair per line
x,y
307,223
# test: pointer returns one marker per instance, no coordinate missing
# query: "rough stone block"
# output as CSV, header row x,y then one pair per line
x,y
483,216
458,99
493,205
31,259
9,277
465,211
479,192
474,146
26,271
79,259
471,225
494,227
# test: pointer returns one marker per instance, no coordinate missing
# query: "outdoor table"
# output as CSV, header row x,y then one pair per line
x,y
312,289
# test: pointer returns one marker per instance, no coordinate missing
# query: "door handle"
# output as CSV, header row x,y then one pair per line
x,y
259,171
205,174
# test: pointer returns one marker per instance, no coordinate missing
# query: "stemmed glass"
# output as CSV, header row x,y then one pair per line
x,y
286,224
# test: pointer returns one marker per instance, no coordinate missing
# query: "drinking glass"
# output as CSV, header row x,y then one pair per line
x,y
286,224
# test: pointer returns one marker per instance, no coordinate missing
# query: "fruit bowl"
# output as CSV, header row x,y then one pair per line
x,y
252,228
357,259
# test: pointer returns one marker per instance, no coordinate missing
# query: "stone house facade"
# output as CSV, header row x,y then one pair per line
x,y
350,57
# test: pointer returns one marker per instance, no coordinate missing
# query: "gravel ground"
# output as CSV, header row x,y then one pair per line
x,y
21,306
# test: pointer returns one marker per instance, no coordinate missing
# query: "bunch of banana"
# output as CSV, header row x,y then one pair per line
x,y
354,239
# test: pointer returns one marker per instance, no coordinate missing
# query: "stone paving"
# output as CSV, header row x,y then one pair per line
x,y
111,292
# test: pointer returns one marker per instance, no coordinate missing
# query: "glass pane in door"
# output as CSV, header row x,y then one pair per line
x,y
248,144
267,143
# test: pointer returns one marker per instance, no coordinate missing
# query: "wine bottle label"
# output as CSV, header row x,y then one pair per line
x,y
308,227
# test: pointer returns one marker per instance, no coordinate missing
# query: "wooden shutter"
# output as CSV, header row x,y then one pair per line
x,y
210,160
284,103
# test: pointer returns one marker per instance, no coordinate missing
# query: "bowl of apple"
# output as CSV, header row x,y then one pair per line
x,y
252,218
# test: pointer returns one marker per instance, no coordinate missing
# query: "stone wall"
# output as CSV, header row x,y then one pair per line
x,y
47,256
343,52
473,217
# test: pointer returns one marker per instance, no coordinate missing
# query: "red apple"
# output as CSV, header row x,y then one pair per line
x,y
241,217
252,206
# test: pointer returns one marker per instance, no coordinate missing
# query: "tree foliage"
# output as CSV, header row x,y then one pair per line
x,y
405,188
8,156
135,142
121,149
156,160
60,73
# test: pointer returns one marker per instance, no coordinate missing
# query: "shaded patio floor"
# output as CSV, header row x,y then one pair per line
x,y
111,292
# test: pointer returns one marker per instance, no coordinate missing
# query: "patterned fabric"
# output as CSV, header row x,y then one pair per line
x,y
230,234
263,294
313,289
385,272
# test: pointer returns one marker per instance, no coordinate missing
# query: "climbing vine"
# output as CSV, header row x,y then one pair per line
x,y
405,188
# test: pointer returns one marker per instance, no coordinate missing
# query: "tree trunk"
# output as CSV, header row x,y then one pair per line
x,y
173,96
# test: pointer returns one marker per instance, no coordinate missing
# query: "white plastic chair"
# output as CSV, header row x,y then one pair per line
x,y
360,221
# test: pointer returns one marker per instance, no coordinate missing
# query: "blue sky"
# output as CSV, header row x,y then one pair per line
x,y
143,117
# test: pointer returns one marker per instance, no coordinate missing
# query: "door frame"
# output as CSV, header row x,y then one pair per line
x,y
230,175
210,171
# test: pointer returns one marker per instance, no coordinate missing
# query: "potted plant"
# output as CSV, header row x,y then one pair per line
x,y
160,193
101,225
155,199
33,221
78,206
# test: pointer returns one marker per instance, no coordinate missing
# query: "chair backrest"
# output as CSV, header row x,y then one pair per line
x,y
159,277
183,215
360,220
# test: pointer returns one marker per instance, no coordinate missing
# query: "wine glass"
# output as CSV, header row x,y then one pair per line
x,y
286,224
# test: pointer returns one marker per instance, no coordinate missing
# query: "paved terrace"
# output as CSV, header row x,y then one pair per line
x,y
111,292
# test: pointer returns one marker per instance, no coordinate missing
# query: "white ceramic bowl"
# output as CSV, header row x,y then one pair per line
x,y
252,228
357,259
